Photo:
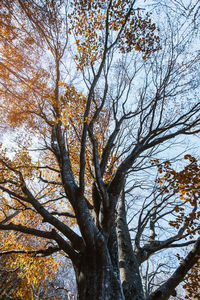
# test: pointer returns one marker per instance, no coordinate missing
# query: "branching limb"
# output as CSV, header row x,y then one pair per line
x,y
52,235
167,289
41,252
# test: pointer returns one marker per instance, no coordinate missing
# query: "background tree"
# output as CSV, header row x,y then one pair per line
x,y
90,134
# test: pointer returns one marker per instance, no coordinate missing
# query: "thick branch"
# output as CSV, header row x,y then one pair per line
x,y
27,230
76,240
110,144
62,155
52,235
64,214
48,217
167,289
99,179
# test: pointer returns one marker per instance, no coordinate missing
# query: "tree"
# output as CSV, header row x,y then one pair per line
x,y
90,133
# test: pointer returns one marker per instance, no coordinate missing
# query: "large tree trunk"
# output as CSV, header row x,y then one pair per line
x,y
129,268
96,278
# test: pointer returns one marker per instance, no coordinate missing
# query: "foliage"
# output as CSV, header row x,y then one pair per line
x,y
192,283
126,28
186,183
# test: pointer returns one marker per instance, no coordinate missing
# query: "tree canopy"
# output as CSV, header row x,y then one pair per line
x,y
94,99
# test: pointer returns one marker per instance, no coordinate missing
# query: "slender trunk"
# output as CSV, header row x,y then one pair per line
x,y
95,276
129,268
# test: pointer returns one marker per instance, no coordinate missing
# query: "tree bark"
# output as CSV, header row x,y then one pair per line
x,y
168,287
129,268
96,277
